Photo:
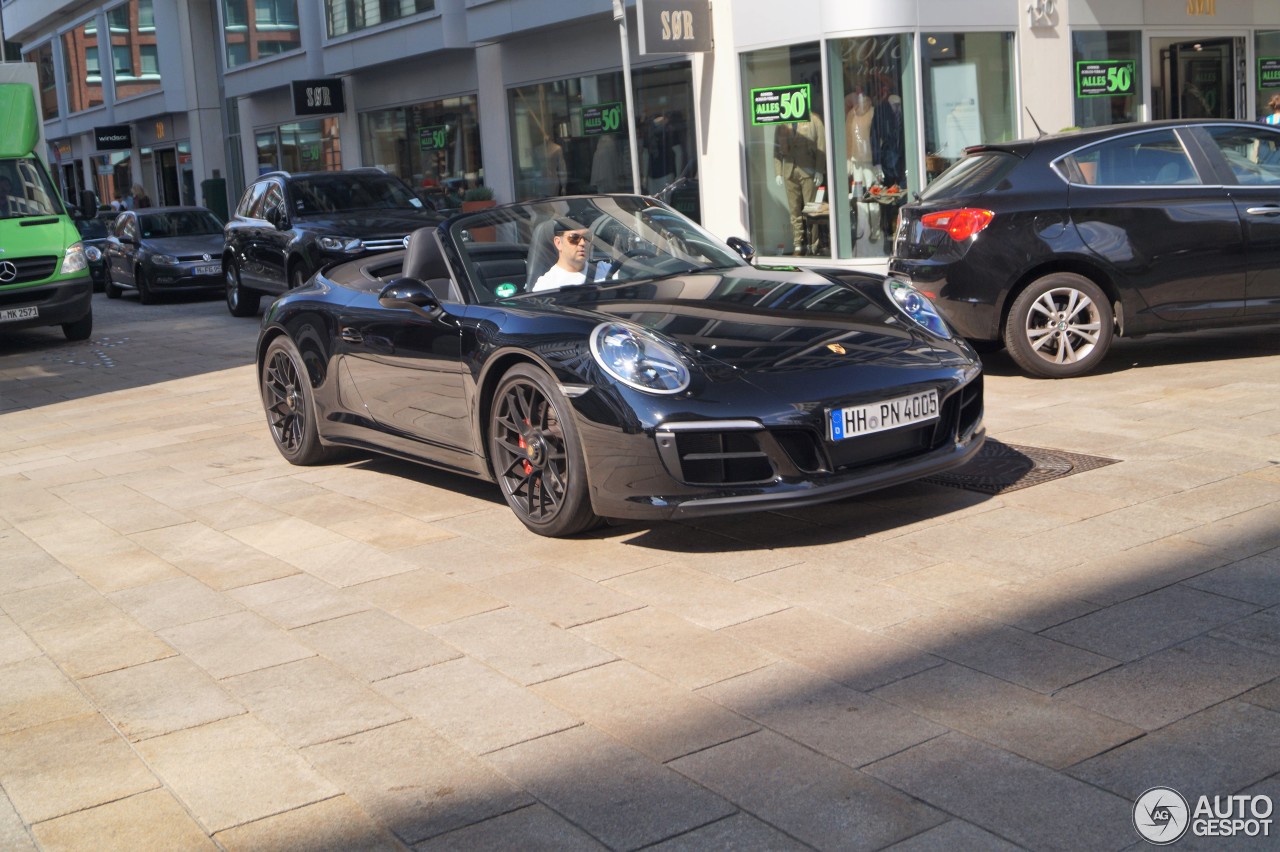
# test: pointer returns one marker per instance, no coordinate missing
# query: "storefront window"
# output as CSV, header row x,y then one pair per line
x,y
42,56
304,146
570,136
786,150
131,40
255,29
876,156
1267,49
433,146
968,94
1106,74
83,76
345,16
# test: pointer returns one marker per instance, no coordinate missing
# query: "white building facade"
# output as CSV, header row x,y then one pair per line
x,y
803,127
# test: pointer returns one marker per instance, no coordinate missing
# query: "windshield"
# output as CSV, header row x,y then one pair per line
x,y
179,223
92,229
546,245
347,191
25,190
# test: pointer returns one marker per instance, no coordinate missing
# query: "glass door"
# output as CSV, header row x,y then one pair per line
x,y
1197,77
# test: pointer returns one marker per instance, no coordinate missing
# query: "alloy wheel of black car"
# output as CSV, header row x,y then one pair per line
x,y
1060,326
536,455
146,295
241,301
287,399
297,277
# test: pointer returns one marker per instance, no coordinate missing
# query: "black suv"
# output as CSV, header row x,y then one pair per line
x,y
289,226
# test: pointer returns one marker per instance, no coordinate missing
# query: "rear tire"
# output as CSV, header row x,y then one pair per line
x,y
241,301
1059,327
81,328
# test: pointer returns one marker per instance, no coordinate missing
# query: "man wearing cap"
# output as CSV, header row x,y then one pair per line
x,y
571,265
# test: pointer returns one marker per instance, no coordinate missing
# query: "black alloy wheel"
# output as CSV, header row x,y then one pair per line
x,y
536,455
1060,326
290,405
297,276
241,301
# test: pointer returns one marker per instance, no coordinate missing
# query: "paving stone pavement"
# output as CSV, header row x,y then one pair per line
x,y
202,647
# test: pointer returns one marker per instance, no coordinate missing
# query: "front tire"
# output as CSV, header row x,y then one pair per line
x,y
146,295
81,328
537,455
1059,327
241,301
290,405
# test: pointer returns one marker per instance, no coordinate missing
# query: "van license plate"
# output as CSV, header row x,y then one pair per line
x,y
14,314
879,416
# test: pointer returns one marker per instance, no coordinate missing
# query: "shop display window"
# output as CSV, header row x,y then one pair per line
x,y
786,150
875,145
433,146
1106,73
1267,50
967,94
303,146
570,136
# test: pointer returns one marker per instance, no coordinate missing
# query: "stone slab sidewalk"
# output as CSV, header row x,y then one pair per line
x,y
202,647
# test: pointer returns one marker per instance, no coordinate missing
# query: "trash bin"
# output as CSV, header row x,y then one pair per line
x,y
213,193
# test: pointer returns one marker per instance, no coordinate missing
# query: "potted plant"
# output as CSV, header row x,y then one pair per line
x,y
478,198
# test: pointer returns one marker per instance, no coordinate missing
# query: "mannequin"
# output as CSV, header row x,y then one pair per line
x,y
663,153
862,172
554,171
799,156
607,166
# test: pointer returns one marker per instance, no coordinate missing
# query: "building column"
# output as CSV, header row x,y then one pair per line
x,y
721,179
494,122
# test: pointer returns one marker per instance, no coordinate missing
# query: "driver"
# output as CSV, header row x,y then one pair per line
x,y
571,266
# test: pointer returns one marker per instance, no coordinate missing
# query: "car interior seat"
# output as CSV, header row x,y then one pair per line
x,y
542,251
424,260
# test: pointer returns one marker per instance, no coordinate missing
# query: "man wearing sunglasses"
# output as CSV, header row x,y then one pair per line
x,y
573,244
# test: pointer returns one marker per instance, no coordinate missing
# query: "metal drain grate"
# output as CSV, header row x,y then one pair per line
x,y
1007,467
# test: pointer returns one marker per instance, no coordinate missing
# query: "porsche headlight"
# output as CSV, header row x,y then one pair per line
x,y
917,306
349,245
639,359
73,259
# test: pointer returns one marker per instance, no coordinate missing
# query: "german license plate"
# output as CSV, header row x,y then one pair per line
x,y
14,314
879,416
211,269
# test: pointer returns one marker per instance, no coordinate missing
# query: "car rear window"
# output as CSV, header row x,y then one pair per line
x,y
973,175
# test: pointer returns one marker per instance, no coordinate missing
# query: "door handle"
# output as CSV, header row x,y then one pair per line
x,y
350,335
1269,210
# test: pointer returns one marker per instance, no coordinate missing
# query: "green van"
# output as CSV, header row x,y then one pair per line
x,y
44,275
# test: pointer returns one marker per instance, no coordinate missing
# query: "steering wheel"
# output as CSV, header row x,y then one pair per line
x,y
630,257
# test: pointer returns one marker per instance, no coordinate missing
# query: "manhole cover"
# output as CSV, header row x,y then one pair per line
x,y
1007,467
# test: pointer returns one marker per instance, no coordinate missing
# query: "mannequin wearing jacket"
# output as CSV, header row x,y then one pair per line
x,y
799,157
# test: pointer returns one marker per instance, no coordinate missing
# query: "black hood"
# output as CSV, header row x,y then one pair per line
x,y
766,324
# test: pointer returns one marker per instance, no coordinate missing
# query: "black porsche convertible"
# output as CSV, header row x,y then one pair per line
x,y
605,357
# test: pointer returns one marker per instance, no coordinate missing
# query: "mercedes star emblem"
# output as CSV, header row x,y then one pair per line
x,y
8,271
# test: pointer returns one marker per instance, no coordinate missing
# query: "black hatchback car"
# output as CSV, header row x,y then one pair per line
x,y
288,226
1053,246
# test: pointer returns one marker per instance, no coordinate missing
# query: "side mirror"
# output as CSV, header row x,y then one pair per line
x,y
406,293
277,218
743,248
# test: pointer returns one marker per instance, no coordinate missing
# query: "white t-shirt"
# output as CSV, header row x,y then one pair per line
x,y
557,277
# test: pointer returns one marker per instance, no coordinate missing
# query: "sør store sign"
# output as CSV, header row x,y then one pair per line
x,y
318,97
674,26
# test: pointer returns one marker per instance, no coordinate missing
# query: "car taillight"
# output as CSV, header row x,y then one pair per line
x,y
959,224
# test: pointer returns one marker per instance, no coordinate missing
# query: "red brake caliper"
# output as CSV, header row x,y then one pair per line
x,y
528,468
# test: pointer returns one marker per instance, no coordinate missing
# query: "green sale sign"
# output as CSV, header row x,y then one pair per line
x,y
601,118
1106,78
780,104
